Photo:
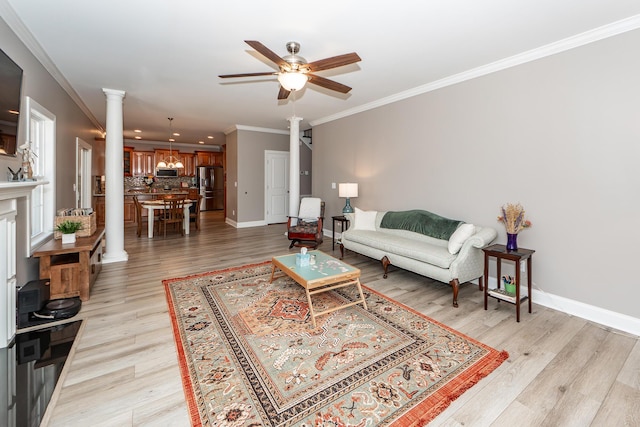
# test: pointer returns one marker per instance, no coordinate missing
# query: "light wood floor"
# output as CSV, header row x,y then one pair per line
x,y
562,370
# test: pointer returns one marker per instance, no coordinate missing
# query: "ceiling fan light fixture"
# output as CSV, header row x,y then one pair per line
x,y
292,80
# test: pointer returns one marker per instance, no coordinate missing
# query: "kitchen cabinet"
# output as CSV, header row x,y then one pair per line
x,y
129,210
189,162
99,208
143,163
126,161
209,158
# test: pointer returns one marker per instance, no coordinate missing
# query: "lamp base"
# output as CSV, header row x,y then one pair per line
x,y
347,207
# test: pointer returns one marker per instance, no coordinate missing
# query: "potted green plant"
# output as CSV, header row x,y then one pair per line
x,y
68,229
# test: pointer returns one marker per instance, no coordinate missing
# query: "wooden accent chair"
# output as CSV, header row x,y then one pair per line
x,y
306,229
173,214
194,214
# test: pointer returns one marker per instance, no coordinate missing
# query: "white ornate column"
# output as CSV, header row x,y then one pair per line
x,y
114,179
294,165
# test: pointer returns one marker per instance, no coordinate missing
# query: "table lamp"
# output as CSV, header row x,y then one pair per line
x,y
348,190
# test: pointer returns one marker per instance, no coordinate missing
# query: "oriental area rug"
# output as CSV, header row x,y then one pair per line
x,y
250,356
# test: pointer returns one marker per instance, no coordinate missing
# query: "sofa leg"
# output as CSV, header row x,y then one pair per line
x,y
455,284
480,283
385,265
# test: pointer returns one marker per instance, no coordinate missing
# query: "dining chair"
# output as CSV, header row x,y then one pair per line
x,y
194,214
139,217
173,214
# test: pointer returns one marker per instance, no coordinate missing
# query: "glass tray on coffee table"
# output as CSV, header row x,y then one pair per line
x,y
327,273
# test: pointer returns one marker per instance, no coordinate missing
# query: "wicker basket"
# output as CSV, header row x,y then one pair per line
x,y
88,224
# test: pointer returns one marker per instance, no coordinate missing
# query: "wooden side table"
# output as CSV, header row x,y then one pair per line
x,y
343,221
500,252
72,268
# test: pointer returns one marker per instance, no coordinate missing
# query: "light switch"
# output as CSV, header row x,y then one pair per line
x,y
333,185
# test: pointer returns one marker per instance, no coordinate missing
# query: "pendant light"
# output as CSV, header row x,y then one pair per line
x,y
170,162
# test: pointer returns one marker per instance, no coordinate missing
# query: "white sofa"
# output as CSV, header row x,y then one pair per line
x,y
436,258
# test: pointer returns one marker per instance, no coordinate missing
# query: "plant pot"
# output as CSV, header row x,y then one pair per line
x,y
68,238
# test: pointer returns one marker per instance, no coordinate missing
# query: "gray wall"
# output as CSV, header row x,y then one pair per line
x,y
70,123
250,191
561,135
232,176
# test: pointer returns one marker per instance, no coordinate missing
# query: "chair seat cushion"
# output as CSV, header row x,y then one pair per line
x,y
304,227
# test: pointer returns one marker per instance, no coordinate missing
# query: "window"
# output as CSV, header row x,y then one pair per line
x,y
42,136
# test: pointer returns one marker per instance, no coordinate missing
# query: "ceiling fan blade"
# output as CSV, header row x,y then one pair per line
x,y
227,76
333,62
329,84
283,93
268,53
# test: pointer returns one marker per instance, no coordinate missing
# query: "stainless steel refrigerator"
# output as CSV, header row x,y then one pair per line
x,y
211,187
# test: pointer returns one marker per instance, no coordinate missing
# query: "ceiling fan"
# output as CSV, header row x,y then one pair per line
x,y
295,71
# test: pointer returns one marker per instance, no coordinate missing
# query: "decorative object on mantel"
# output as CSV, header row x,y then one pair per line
x,y
14,176
68,229
514,222
27,156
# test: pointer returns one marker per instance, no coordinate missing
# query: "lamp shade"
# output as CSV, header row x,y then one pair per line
x,y
348,189
292,80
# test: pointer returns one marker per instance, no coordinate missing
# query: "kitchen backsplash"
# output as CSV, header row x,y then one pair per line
x,y
174,183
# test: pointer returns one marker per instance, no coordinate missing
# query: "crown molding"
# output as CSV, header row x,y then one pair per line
x,y
17,26
596,34
255,129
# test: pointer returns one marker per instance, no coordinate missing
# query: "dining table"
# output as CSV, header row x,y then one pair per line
x,y
152,205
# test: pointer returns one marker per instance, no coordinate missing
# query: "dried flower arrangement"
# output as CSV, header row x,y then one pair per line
x,y
513,218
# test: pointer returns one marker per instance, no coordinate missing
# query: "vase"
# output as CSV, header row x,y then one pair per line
x,y
512,241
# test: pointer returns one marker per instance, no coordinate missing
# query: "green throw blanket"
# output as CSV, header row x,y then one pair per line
x,y
422,222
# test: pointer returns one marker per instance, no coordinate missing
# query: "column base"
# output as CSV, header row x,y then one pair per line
x,y
111,257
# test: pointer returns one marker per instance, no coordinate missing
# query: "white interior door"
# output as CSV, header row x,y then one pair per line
x,y
276,186
83,174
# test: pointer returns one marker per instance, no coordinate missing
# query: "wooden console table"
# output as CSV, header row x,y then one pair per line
x,y
71,268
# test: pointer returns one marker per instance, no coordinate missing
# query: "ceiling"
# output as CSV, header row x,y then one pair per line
x,y
167,54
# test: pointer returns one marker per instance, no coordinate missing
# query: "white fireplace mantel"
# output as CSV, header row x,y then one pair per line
x,y
10,192
16,189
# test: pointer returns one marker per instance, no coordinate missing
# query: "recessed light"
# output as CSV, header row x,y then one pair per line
x,y
200,142
210,137
14,112
137,131
176,134
172,140
137,137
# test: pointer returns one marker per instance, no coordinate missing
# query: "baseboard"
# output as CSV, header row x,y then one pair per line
x,y
247,224
589,312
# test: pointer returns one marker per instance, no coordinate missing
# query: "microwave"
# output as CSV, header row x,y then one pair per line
x,y
166,172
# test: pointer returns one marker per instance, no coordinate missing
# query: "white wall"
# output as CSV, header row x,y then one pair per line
x,y
561,135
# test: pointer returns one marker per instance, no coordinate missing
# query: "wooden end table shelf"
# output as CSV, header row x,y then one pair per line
x,y
344,224
72,268
501,253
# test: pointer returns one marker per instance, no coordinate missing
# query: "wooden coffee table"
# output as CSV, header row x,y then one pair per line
x,y
326,274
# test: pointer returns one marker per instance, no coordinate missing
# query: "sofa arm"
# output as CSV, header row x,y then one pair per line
x,y
482,238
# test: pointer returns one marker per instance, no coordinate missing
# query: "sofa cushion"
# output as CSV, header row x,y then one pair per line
x,y
393,244
420,221
364,220
458,238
